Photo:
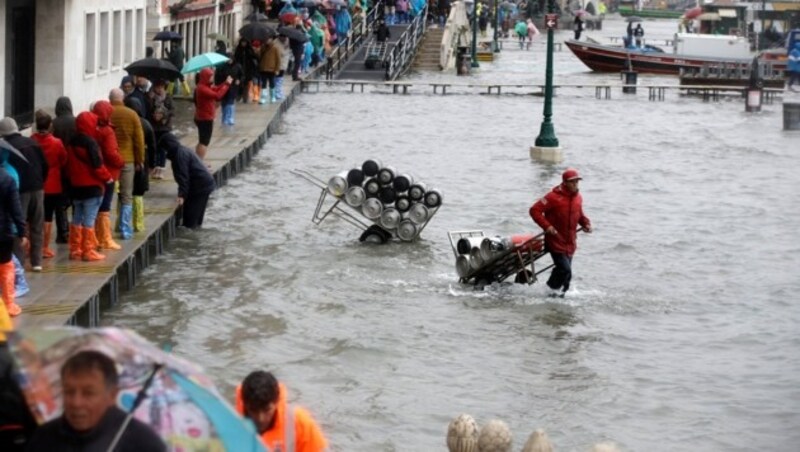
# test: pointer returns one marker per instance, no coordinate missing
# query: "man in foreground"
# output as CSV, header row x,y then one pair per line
x,y
559,213
282,427
91,418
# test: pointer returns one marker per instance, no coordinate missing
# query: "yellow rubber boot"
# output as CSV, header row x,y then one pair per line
x,y
138,213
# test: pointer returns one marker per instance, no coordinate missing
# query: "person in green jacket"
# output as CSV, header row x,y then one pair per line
x,y
521,29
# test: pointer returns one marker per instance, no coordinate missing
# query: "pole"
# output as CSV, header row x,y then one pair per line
x,y
215,27
547,135
496,22
475,34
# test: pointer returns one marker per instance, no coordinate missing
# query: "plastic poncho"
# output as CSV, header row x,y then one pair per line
x,y
318,18
521,29
317,37
416,7
344,22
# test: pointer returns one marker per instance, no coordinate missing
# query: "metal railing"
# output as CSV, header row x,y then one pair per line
x,y
401,56
341,54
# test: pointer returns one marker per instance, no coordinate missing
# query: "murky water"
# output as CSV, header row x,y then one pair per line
x,y
680,333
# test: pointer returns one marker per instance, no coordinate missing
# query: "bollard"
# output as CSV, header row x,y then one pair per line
x,y
462,61
791,116
630,78
752,100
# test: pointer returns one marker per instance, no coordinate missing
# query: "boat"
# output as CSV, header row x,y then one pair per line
x,y
691,52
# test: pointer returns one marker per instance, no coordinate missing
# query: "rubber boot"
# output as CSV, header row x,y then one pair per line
x,y
20,282
126,221
75,239
272,94
103,229
138,213
264,94
7,288
46,251
88,247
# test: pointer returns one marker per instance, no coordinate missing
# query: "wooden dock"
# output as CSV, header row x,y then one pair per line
x,y
75,292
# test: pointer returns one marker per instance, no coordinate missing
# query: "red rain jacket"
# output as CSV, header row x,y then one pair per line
x,y
87,174
563,210
206,96
107,138
56,156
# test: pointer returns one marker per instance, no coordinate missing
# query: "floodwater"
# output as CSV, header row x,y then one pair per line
x,y
681,331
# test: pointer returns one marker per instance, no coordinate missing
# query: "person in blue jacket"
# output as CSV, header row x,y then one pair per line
x,y
195,183
793,66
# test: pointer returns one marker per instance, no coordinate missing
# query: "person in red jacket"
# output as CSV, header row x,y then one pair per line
x,y
559,213
206,96
107,140
88,178
56,156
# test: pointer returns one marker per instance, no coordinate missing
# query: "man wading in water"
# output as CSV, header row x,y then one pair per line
x,y
559,213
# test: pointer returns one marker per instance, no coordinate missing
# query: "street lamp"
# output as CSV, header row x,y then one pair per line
x,y
475,34
546,146
496,23
547,134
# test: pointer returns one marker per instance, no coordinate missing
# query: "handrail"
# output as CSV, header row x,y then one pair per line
x,y
341,54
403,52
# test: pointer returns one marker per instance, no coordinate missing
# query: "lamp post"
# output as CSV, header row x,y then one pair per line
x,y
475,34
495,47
546,146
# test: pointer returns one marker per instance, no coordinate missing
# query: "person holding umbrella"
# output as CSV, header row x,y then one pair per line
x,y
91,418
246,57
206,94
177,57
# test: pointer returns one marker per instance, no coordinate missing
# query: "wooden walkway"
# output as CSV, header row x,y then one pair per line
x,y
602,90
75,292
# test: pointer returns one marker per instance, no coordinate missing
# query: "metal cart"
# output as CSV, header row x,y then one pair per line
x,y
372,231
517,260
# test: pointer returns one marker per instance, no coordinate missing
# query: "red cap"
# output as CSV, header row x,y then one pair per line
x,y
570,174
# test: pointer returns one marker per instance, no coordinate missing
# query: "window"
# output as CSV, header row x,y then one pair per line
x,y
116,42
90,42
104,41
127,42
139,33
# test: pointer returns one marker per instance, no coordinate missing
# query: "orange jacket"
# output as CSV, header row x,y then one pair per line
x,y
308,436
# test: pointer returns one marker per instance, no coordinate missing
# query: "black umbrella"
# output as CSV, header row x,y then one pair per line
x,y
257,30
256,16
7,146
154,69
293,33
167,35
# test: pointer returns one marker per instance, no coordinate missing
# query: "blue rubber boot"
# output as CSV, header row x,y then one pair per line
x,y
126,221
272,94
279,88
21,287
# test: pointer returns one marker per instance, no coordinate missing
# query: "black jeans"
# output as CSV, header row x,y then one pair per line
x,y
194,209
562,272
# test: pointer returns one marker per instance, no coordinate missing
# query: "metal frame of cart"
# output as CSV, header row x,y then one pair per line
x,y
518,260
351,215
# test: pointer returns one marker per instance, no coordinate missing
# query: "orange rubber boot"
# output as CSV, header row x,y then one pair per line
x,y
46,251
90,246
103,229
75,239
7,288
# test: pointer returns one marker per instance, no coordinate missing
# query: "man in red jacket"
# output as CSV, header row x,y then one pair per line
x,y
206,96
559,213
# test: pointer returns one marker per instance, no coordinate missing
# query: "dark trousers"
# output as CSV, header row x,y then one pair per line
x,y
298,59
52,204
194,209
108,195
562,272
62,220
33,209
6,250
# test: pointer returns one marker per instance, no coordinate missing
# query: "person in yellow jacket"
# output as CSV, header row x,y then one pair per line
x,y
282,426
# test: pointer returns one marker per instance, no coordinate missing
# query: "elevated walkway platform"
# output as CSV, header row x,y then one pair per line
x,y
355,68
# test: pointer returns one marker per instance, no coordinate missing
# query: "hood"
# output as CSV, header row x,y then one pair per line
x,y
136,105
86,124
126,79
64,106
170,144
103,110
206,75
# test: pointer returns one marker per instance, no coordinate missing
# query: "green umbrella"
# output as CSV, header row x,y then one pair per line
x,y
203,61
